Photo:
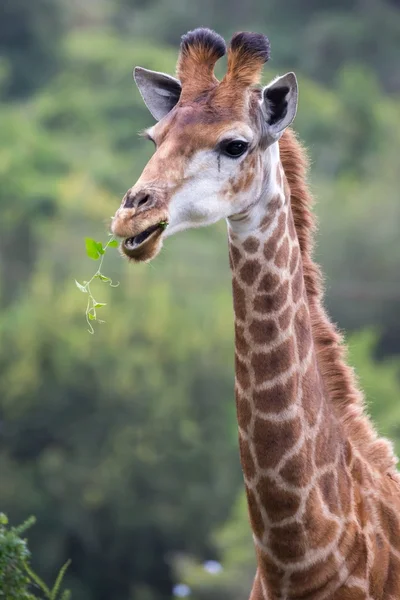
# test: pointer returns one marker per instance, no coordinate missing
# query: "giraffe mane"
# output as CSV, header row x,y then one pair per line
x,y
339,378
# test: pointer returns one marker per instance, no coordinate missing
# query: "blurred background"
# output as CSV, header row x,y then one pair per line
x,y
124,444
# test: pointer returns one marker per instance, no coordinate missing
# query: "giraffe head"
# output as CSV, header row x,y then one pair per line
x,y
213,140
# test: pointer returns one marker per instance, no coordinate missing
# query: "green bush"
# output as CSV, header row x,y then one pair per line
x,y
17,580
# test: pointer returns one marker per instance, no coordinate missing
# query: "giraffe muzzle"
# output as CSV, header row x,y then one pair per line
x,y
140,223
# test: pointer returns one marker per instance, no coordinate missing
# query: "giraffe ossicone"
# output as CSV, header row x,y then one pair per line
x,y
322,489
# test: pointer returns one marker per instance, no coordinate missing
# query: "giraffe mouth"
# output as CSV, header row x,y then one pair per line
x,y
134,242
135,246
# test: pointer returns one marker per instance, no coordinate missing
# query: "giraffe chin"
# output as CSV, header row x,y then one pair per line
x,y
144,246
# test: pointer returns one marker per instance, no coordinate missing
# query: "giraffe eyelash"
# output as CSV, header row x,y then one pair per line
x,y
146,135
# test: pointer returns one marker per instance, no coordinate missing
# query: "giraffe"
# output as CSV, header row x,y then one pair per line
x,y
323,493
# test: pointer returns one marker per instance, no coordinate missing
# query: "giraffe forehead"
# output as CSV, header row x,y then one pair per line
x,y
200,127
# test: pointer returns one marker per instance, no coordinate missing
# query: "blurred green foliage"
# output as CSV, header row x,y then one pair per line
x,y
17,580
14,553
124,444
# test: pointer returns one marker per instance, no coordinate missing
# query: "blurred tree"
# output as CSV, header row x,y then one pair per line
x,y
318,38
116,452
29,43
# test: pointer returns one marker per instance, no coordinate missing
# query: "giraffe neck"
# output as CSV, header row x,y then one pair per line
x,y
293,451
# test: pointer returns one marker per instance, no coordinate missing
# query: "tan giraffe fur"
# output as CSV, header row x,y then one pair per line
x,y
323,493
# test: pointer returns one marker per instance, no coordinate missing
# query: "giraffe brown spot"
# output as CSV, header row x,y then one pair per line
x,y
348,453
356,560
360,555
344,489
298,470
241,184
311,397
267,303
380,542
272,440
242,373
244,411
306,582
362,508
273,207
250,271
282,256
251,245
277,502
264,332
233,237
277,398
267,221
288,542
380,567
239,301
241,344
271,244
392,586
285,318
229,189
234,254
327,486
390,524
267,365
348,539
294,259
328,441
297,285
321,531
349,593
246,459
252,160
268,283
302,328
270,572
256,519
357,471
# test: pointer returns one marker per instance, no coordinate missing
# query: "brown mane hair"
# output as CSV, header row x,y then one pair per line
x,y
339,378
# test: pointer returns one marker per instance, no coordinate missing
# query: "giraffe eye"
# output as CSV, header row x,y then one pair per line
x,y
234,148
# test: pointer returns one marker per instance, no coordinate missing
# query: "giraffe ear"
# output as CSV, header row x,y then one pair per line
x,y
279,104
159,91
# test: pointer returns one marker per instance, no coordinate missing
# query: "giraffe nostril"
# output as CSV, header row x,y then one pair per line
x,y
128,201
143,200
136,200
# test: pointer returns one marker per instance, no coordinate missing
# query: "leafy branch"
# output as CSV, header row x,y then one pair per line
x,y
16,574
53,593
95,250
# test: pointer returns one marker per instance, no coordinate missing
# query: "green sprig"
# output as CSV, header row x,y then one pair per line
x,y
95,251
